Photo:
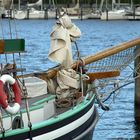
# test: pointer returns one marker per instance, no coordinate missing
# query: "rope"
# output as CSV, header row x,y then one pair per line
x,y
2,28
27,110
26,101
13,9
117,90
2,128
63,103
1,23
80,66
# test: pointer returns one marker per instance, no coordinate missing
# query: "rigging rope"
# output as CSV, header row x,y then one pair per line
x,y
126,83
26,100
2,128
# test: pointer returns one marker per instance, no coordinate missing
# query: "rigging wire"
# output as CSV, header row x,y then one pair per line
x,y
25,93
80,67
2,28
132,81
2,31
13,9
2,127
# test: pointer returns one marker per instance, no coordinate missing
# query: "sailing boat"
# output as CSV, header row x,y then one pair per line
x,y
133,13
31,12
64,111
4,4
35,11
1,9
74,12
115,13
58,103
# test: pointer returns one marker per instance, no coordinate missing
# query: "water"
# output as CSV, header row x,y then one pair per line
x,y
118,123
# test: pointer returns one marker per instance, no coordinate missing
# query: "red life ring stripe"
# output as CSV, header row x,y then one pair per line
x,y
17,93
3,96
15,88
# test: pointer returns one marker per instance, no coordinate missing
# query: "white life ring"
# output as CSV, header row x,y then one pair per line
x,y
3,97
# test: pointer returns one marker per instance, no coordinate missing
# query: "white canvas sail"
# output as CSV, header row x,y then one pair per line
x,y
60,49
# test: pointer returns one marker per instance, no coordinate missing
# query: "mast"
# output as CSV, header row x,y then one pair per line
x,y
113,3
18,4
101,5
96,5
77,4
41,5
131,4
12,4
119,3
53,3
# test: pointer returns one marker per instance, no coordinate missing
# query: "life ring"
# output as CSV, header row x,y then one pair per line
x,y
3,97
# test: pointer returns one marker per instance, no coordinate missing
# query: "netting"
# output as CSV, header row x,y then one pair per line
x,y
118,61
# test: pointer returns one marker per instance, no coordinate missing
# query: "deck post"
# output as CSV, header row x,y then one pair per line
x,y
46,13
134,12
137,86
81,13
28,11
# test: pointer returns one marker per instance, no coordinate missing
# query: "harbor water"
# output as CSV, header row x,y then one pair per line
x,y
116,124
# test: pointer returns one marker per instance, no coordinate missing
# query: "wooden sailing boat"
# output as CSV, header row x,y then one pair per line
x,y
37,113
45,115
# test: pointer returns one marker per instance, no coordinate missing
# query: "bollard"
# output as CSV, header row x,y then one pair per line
x,y
28,10
81,15
46,13
134,13
106,14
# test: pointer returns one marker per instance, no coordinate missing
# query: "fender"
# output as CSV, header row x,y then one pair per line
x,y
3,97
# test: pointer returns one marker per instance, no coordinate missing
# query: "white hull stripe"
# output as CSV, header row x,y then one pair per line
x,y
67,128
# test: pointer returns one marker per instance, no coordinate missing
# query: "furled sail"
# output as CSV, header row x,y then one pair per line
x,y
62,35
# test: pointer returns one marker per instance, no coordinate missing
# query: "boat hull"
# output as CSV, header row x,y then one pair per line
x,y
114,15
78,126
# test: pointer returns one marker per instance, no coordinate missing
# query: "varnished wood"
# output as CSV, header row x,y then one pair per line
x,y
101,75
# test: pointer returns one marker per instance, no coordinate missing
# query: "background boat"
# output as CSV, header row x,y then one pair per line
x,y
4,5
134,13
117,12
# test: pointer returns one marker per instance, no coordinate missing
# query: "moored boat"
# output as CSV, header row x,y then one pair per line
x,y
58,103
32,109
